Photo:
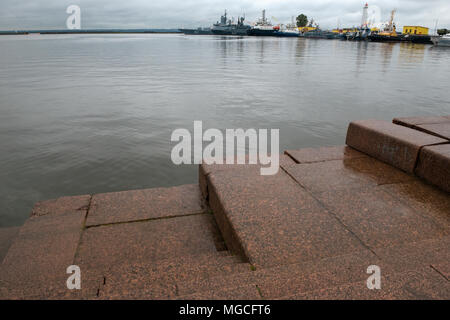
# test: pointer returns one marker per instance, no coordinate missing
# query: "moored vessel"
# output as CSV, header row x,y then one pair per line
x,y
228,27
289,30
263,27
389,34
443,41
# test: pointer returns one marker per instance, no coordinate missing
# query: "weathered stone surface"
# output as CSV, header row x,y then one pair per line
x,y
291,279
441,130
7,236
443,269
163,279
414,255
144,204
345,174
424,199
310,155
414,121
396,145
206,169
245,292
106,246
411,285
434,165
61,205
377,218
36,263
271,220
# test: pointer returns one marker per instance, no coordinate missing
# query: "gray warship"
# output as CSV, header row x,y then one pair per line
x,y
228,27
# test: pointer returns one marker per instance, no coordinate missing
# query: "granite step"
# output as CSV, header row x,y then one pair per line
x,y
102,248
415,255
434,165
416,284
36,263
272,220
159,280
394,144
277,281
241,292
139,205
7,236
343,277
437,126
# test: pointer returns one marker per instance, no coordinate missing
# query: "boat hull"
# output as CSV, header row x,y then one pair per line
x,y
287,34
262,33
420,39
234,32
439,42
382,38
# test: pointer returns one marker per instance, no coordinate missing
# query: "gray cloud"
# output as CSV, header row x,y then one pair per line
x,y
51,14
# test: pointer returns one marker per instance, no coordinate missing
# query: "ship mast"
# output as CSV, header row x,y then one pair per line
x,y
391,26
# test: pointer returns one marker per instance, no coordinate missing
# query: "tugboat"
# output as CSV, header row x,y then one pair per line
x,y
227,27
289,30
263,28
443,41
389,34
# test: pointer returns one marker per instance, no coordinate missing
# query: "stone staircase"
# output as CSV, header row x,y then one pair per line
x,y
308,232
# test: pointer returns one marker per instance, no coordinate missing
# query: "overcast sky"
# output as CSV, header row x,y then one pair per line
x,y
51,14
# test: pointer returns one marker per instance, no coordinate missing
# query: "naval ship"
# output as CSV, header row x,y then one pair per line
x,y
263,27
227,27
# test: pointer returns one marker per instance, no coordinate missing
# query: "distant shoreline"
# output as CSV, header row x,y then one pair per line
x,y
93,31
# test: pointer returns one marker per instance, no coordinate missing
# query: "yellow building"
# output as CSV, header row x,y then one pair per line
x,y
345,30
306,29
415,30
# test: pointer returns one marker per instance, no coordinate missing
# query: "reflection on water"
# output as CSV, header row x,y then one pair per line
x,y
94,113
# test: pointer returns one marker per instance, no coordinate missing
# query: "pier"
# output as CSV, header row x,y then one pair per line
x,y
309,232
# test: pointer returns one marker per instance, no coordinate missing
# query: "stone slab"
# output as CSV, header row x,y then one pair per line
x,y
412,285
377,218
396,145
441,130
145,204
416,249
414,121
424,199
159,279
7,236
422,254
206,169
36,263
346,174
285,280
271,220
149,241
166,281
310,155
434,166
61,205
244,292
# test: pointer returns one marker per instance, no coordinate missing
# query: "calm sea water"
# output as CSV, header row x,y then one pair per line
x,y
83,114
